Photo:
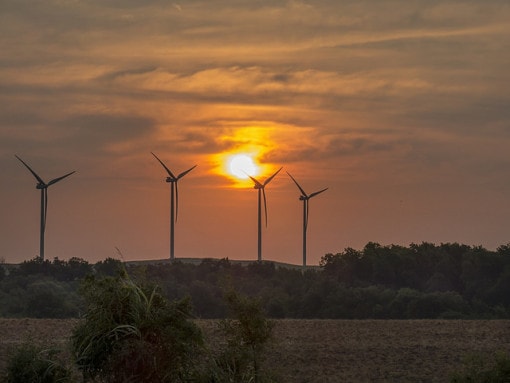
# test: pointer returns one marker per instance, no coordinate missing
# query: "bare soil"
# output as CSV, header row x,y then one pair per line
x,y
323,351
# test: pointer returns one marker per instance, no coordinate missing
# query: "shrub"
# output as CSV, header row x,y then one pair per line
x,y
130,333
34,364
247,333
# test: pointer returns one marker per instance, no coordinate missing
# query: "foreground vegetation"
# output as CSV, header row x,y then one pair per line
x,y
138,321
131,333
383,282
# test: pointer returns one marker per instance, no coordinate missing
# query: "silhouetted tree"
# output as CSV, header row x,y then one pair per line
x,y
109,267
374,282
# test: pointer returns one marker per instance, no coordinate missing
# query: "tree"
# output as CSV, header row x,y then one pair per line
x,y
47,298
131,333
247,332
2,268
110,267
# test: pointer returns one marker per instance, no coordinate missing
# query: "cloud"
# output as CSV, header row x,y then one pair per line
x,y
106,128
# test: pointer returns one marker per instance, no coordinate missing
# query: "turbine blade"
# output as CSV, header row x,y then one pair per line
x,y
265,203
299,187
176,200
31,171
270,178
257,183
167,170
186,172
54,181
318,192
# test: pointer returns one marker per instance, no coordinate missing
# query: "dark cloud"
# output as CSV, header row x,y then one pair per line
x,y
18,118
112,76
198,141
102,130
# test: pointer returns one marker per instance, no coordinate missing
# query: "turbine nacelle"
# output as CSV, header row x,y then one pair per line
x,y
174,198
43,187
305,198
262,186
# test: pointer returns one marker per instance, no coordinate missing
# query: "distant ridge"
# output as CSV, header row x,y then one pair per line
x,y
198,261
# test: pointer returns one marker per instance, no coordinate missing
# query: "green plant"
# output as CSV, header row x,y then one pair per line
x,y
35,364
478,369
247,333
131,333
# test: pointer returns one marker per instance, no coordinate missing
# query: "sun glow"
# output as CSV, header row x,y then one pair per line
x,y
245,154
242,166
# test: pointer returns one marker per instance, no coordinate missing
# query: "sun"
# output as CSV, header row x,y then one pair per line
x,y
242,166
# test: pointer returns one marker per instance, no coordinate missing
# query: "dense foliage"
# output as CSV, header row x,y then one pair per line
x,y
247,331
131,333
419,281
37,364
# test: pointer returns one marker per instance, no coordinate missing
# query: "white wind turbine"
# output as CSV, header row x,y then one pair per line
x,y
174,200
43,186
305,198
261,193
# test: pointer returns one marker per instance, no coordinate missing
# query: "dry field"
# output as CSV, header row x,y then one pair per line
x,y
321,351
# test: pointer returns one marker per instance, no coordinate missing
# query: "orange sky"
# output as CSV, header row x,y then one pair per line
x,y
400,109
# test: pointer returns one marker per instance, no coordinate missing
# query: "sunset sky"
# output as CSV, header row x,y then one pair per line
x,y
400,108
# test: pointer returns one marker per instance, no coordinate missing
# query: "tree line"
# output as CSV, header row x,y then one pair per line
x,y
424,280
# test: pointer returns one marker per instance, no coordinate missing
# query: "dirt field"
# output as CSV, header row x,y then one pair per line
x,y
323,351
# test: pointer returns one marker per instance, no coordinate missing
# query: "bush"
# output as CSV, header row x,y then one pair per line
x,y
32,363
48,298
131,333
247,333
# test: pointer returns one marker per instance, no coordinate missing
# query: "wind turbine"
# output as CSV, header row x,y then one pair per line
x,y
305,198
43,186
174,200
261,190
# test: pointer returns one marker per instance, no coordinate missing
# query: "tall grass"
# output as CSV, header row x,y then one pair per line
x,y
131,333
35,364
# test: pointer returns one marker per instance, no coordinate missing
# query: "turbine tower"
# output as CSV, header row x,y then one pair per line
x,y
43,186
305,198
174,200
261,192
